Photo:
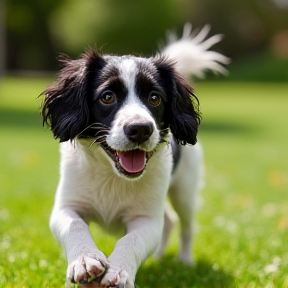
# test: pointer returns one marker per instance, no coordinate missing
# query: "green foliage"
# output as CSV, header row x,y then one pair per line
x,y
248,26
120,27
38,30
29,44
261,67
242,224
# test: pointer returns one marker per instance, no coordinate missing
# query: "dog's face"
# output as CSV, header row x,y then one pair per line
x,y
128,105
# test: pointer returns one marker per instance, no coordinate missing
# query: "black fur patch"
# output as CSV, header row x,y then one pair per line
x,y
73,103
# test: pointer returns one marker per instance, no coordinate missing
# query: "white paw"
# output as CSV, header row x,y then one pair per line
x,y
116,277
86,268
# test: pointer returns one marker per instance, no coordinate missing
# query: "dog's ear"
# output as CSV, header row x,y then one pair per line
x,y
183,112
66,105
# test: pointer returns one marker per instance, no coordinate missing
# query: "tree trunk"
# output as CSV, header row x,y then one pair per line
x,y
2,38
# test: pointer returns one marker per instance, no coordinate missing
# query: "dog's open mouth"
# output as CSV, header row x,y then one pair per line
x,y
131,163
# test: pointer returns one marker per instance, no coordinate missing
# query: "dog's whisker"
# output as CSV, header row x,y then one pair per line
x,y
101,131
165,131
99,139
95,125
102,142
99,126
85,129
100,136
93,142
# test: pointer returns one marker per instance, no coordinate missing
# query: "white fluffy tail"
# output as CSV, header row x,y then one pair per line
x,y
192,54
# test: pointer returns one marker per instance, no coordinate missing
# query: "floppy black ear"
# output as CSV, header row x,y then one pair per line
x,y
66,105
184,116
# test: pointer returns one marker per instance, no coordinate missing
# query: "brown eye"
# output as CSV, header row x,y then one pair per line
x,y
108,97
154,99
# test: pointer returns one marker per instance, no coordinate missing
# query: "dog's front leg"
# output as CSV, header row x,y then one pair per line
x,y
143,236
85,261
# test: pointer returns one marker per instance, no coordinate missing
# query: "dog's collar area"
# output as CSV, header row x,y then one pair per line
x,y
130,163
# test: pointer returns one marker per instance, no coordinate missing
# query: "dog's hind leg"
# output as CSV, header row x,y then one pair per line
x,y
185,211
183,194
170,218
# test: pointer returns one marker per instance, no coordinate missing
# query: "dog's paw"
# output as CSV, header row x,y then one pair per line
x,y
116,277
86,268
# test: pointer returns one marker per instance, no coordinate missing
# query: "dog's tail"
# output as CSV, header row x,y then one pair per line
x,y
192,55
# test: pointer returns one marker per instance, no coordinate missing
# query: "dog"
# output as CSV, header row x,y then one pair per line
x,y
128,131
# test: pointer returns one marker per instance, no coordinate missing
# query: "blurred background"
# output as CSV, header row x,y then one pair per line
x,y
33,32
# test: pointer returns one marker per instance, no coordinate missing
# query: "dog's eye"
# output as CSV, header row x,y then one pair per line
x,y
108,97
154,99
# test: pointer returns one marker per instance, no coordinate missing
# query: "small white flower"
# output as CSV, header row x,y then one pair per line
x,y
274,266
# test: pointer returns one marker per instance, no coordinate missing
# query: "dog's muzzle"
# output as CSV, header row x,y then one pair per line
x,y
132,163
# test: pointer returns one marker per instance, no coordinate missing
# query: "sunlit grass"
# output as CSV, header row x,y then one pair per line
x,y
242,225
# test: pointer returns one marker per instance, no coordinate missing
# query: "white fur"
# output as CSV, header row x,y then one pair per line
x,y
90,190
192,55
133,111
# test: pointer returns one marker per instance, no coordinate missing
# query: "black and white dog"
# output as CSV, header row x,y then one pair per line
x,y
120,120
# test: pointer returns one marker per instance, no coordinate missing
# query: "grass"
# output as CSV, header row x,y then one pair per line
x,y
242,225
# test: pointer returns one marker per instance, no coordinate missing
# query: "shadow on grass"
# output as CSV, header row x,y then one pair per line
x,y
13,118
169,273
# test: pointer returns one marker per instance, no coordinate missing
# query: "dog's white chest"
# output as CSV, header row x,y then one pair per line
x,y
91,183
111,199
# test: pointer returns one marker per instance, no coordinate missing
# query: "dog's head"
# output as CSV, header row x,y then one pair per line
x,y
126,104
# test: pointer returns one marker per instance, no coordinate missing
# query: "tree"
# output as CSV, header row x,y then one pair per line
x,y
29,43
2,38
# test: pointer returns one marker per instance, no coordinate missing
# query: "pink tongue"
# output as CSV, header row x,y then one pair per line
x,y
132,161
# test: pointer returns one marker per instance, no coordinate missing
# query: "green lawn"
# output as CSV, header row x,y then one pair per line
x,y
242,225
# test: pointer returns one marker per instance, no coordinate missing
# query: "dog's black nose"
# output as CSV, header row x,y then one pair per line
x,y
138,132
